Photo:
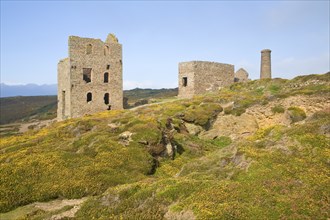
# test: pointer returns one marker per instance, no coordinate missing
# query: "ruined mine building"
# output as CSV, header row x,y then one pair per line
x,y
90,79
199,77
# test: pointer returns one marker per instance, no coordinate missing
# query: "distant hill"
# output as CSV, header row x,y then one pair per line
x,y
22,107
19,108
27,90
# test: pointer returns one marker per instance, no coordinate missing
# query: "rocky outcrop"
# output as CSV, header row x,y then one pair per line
x,y
193,129
232,126
183,215
265,117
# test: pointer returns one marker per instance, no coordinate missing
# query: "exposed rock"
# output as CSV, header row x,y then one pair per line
x,y
183,215
125,137
169,150
325,129
193,129
232,126
228,107
143,142
113,126
266,117
241,162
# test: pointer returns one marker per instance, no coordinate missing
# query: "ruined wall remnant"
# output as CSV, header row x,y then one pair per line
x,y
199,77
241,75
265,67
90,79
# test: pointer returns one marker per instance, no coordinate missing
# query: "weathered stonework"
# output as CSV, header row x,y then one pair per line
x,y
199,77
241,75
90,79
265,67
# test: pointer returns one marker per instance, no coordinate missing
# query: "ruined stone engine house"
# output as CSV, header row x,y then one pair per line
x,y
90,79
199,77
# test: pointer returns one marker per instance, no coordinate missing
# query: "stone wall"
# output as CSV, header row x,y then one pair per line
x,y
186,70
64,91
92,56
203,77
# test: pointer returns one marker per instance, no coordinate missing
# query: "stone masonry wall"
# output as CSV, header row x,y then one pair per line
x,y
64,91
101,58
204,77
187,70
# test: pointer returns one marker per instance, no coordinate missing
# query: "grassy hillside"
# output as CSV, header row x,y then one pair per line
x,y
151,163
16,109
137,94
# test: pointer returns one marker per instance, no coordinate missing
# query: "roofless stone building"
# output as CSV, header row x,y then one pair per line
x,y
90,79
199,77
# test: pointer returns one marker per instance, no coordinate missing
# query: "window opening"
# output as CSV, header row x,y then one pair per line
x,y
108,66
185,81
89,49
106,77
106,50
63,103
89,97
87,74
106,98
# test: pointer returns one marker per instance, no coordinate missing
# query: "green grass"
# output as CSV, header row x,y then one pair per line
x,y
25,108
276,185
278,109
296,114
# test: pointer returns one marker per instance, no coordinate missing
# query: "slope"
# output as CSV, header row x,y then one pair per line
x,y
172,161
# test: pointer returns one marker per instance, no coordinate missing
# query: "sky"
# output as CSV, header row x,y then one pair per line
x,y
157,35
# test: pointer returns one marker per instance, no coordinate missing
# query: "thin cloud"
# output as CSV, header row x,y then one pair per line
x,y
290,67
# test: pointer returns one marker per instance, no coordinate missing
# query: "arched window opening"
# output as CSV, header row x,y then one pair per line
x,y
89,97
106,98
106,77
89,49
106,50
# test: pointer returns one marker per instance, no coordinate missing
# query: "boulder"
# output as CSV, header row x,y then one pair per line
x,y
193,129
125,137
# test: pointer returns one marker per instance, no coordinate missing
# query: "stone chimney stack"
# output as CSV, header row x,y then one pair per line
x,y
265,68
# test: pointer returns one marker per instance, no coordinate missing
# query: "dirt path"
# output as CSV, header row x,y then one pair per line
x,y
59,204
38,124
156,103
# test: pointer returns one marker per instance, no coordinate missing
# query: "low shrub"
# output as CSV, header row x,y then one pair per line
x,y
278,109
296,114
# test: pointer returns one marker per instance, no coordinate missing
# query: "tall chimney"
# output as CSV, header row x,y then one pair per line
x,y
265,67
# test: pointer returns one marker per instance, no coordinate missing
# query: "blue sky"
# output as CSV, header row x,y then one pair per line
x,y
156,36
